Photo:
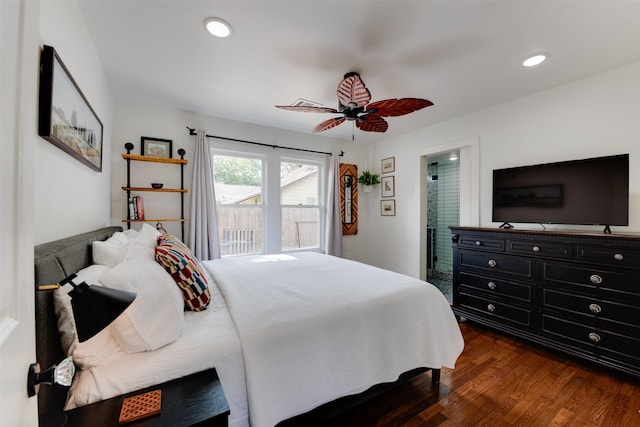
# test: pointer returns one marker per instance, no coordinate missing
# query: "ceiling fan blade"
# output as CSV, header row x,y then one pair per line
x,y
397,107
308,109
372,123
352,92
328,124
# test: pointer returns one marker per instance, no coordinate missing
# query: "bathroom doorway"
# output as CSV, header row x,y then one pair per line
x,y
467,206
443,210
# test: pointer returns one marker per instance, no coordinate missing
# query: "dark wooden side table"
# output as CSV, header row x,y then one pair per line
x,y
194,400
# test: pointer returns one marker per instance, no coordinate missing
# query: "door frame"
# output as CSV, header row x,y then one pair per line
x,y
469,149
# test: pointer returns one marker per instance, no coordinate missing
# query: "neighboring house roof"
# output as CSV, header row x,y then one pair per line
x,y
241,193
234,193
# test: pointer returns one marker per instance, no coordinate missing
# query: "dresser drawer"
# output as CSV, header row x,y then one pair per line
x,y
505,264
481,242
617,284
603,342
542,249
520,291
612,315
618,257
497,311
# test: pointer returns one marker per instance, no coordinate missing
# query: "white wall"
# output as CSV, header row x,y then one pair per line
x,y
18,123
596,116
70,197
46,193
132,120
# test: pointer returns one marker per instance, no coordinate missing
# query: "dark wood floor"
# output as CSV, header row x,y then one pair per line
x,y
503,381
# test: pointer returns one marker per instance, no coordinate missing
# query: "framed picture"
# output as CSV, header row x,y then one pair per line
x,y
388,207
65,117
155,147
388,165
388,186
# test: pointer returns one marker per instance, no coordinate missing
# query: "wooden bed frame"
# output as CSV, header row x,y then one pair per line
x,y
57,260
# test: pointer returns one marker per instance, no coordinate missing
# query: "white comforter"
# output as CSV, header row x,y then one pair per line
x,y
314,328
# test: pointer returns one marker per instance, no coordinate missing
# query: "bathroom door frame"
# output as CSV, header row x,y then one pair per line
x,y
469,149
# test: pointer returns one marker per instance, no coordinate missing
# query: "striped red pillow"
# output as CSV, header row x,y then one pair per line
x,y
186,270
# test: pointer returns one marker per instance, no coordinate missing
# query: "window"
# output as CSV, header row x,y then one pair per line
x,y
267,203
238,187
300,208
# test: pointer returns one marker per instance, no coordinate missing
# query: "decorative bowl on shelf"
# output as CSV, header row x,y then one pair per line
x,y
156,185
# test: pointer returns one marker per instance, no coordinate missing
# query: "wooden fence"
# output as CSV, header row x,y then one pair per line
x,y
240,229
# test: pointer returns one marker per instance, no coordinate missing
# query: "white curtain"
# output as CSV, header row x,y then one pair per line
x,y
333,231
203,228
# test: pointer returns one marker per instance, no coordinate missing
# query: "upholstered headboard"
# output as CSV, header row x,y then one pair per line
x,y
53,262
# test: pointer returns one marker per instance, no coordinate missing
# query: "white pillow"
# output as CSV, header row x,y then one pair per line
x,y
155,317
101,348
142,245
112,251
130,233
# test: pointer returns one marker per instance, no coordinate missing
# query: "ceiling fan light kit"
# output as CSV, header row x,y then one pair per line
x,y
353,104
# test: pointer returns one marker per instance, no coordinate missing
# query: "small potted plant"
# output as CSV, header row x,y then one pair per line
x,y
368,180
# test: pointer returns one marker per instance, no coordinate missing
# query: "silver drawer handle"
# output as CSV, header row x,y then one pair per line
x,y
536,249
491,308
491,285
618,257
595,308
478,243
595,279
594,337
492,263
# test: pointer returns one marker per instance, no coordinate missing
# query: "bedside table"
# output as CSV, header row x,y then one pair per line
x,y
194,400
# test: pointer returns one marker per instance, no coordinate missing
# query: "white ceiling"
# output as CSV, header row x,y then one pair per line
x,y
461,55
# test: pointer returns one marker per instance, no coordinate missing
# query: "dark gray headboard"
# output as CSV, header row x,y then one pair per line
x,y
53,262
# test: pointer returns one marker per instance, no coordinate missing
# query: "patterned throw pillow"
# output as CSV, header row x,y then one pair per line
x,y
185,269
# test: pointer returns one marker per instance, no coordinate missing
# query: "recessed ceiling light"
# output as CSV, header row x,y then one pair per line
x,y
453,156
217,27
534,60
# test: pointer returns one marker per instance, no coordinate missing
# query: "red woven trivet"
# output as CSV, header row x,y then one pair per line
x,y
140,406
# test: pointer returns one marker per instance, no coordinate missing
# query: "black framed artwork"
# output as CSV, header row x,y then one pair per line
x,y
156,147
65,117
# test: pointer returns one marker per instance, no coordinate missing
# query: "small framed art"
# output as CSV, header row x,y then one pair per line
x,y
388,186
388,165
156,147
388,207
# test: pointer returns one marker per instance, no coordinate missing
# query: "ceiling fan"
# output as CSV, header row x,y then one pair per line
x,y
353,104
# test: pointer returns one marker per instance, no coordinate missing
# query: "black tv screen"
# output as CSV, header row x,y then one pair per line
x,y
587,192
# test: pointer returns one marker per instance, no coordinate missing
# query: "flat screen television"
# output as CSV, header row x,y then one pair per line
x,y
583,192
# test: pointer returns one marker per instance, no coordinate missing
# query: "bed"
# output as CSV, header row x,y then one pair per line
x,y
287,333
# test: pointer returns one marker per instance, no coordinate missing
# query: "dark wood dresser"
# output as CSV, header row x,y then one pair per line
x,y
575,292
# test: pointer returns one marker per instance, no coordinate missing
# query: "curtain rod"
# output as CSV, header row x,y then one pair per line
x,y
192,131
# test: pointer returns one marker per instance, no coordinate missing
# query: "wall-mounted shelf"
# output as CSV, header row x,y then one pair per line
x,y
159,190
129,189
154,220
139,158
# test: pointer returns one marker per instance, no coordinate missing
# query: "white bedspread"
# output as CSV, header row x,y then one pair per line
x,y
314,328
